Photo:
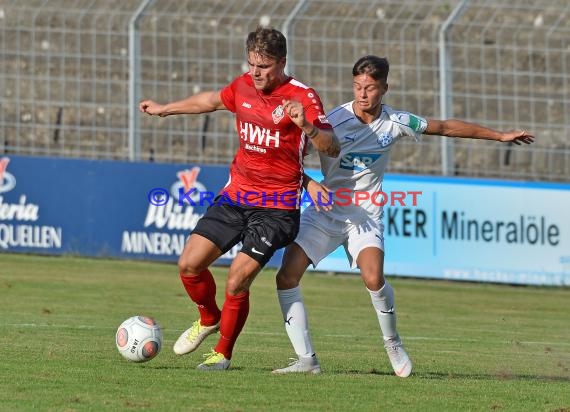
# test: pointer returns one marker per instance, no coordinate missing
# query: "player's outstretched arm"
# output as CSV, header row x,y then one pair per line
x,y
204,102
460,128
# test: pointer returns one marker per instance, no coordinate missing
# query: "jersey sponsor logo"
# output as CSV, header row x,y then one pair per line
x,y
323,119
413,122
358,161
260,137
385,139
278,114
246,105
255,148
351,138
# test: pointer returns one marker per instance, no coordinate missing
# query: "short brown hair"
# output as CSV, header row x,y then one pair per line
x,y
267,42
374,66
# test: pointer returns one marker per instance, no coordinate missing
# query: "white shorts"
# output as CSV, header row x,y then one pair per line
x,y
319,236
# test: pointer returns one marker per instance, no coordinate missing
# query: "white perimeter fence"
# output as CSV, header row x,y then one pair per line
x,y
73,71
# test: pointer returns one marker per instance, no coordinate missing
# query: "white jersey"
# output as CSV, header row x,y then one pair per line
x,y
364,155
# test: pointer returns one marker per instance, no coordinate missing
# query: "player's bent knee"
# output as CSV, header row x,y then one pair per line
x,y
373,280
187,268
284,280
236,286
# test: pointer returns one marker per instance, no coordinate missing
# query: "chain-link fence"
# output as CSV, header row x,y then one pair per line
x,y
71,71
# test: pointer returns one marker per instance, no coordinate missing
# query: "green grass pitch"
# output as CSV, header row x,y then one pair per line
x,y
475,347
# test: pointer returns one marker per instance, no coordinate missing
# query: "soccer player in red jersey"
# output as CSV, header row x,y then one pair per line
x,y
276,117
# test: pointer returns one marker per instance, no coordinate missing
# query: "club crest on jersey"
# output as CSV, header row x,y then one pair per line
x,y
385,139
278,114
358,161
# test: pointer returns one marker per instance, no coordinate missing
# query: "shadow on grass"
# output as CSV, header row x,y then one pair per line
x,y
504,376
189,368
501,376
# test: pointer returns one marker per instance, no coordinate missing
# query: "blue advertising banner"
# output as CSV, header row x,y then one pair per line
x,y
104,208
472,229
447,228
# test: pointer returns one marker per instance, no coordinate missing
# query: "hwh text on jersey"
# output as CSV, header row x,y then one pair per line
x,y
261,136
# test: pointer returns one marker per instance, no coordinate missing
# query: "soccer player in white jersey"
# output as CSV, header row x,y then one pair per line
x,y
367,130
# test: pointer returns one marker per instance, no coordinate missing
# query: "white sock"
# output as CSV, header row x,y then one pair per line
x,y
383,302
296,323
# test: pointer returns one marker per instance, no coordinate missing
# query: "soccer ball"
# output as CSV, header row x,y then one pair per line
x,y
139,339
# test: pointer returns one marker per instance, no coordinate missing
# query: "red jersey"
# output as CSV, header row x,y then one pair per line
x,y
267,170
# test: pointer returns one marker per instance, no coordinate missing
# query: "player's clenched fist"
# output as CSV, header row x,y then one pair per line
x,y
152,108
295,111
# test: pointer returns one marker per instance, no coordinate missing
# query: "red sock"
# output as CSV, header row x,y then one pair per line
x,y
202,290
234,315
